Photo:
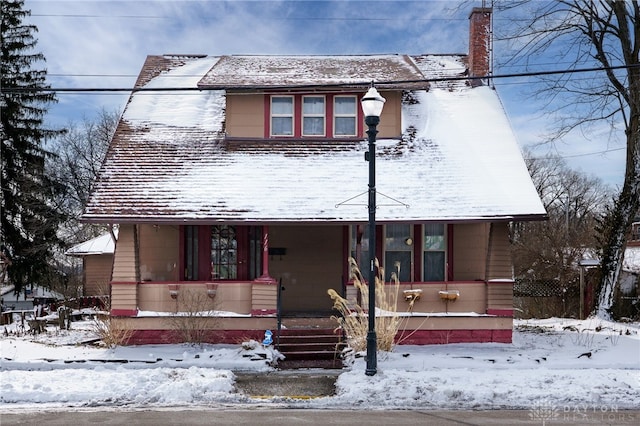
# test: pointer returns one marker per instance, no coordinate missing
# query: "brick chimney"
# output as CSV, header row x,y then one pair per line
x,y
479,41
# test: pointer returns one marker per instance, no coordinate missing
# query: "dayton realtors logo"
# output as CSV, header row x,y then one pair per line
x,y
545,412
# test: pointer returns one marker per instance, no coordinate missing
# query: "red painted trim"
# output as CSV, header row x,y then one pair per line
x,y
263,312
181,253
450,257
501,312
124,312
328,115
417,337
124,283
156,337
501,282
439,337
417,252
267,116
346,240
204,252
297,116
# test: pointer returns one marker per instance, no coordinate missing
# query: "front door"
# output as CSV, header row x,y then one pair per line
x,y
309,261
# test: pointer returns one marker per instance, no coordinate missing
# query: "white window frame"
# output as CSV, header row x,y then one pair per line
x,y
323,115
274,115
354,115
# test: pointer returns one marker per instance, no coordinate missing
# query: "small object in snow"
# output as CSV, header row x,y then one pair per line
x,y
587,354
405,355
268,338
197,356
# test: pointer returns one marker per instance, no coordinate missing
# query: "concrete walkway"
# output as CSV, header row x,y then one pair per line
x,y
290,383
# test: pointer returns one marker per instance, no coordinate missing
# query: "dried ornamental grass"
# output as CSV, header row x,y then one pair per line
x,y
354,319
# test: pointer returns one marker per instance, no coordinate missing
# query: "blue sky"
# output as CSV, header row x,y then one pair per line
x,y
104,44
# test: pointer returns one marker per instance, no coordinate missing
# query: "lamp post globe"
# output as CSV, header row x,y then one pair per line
x,y
372,104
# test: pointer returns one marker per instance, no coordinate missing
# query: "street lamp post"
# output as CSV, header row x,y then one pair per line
x,y
372,104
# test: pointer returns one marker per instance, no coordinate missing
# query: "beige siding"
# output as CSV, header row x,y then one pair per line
x,y
312,265
469,251
245,116
473,297
499,264
97,274
500,295
125,262
231,297
264,297
124,296
159,251
391,118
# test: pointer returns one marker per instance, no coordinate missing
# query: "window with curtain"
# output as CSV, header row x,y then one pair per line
x,y
282,115
313,115
345,114
434,252
398,249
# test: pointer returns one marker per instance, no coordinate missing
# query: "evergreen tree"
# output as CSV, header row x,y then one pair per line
x,y
29,218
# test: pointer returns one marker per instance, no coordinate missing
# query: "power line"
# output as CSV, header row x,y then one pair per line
x,y
380,84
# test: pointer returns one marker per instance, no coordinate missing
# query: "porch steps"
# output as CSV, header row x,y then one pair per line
x,y
310,348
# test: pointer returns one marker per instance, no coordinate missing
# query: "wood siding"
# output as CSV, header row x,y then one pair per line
x,y
264,297
231,297
245,116
469,251
125,261
124,296
391,117
499,262
500,296
97,274
159,251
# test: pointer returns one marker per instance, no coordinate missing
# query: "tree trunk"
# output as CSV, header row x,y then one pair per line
x,y
626,208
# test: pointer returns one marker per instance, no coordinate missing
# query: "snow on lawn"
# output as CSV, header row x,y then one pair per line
x,y
561,364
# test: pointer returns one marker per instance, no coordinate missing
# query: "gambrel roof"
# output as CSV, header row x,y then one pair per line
x,y
170,163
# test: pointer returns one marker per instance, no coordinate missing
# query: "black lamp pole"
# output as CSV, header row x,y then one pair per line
x,y
372,340
372,104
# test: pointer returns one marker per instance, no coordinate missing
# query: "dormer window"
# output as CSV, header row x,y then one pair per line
x,y
345,113
312,116
282,116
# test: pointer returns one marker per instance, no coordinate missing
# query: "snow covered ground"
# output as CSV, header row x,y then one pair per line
x,y
553,366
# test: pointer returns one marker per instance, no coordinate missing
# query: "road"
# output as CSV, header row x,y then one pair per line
x,y
279,417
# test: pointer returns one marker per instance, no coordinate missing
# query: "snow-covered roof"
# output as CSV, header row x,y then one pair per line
x,y
102,244
242,72
169,161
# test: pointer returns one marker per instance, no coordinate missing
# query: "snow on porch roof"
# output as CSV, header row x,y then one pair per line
x,y
102,244
250,72
169,162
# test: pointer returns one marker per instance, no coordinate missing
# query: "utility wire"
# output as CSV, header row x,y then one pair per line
x,y
362,84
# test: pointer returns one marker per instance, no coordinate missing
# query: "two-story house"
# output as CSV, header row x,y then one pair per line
x,y
231,174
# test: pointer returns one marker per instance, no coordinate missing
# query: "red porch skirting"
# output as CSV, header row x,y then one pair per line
x,y
418,337
439,337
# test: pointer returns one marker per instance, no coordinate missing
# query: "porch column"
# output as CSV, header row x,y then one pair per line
x,y
265,277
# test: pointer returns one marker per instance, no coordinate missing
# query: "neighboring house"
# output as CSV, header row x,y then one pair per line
x,y
259,177
97,262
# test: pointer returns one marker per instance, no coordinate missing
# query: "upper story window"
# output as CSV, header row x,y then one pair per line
x,y
313,115
345,113
282,116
